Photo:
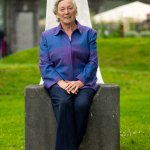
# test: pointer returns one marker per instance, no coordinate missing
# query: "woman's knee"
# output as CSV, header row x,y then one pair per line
x,y
59,96
84,99
82,105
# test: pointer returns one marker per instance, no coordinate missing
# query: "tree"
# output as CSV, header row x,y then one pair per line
x,y
94,5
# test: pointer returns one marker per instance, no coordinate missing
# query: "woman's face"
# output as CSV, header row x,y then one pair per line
x,y
66,12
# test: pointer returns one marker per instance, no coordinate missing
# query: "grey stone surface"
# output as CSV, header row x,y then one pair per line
x,y
103,131
40,124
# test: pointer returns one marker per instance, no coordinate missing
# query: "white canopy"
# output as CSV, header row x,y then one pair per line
x,y
135,12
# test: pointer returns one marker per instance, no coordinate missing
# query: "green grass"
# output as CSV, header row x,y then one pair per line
x,y
123,61
16,72
126,63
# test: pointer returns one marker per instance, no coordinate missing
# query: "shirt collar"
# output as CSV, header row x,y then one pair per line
x,y
59,28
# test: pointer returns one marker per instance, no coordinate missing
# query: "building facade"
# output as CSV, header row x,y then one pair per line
x,y
19,20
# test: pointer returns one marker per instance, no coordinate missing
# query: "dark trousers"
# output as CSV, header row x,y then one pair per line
x,y
71,112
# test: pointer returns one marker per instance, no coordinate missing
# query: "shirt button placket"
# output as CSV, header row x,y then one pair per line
x,y
71,54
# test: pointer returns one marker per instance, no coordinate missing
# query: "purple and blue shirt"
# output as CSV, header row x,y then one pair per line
x,y
64,58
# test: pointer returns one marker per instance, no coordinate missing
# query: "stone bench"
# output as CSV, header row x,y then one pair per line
x,y
103,131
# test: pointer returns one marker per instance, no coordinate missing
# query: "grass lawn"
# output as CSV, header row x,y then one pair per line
x,y
123,61
16,72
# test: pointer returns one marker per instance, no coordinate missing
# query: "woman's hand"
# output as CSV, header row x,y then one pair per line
x,y
73,86
70,86
62,84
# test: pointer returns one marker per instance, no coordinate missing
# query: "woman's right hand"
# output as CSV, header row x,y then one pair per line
x,y
62,84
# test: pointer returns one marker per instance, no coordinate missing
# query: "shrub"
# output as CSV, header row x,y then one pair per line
x,y
131,33
145,33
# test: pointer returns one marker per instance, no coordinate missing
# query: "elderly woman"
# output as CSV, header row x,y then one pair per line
x,y
68,65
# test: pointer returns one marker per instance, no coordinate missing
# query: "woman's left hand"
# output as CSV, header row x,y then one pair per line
x,y
73,86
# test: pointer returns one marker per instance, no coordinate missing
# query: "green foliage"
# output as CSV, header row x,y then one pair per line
x,y
123,61
107,30
145,33
132,33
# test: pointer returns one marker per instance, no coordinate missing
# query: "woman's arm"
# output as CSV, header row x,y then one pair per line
x,y
89,72
49,74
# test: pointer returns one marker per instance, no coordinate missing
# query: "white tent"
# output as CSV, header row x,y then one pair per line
x,y
135,12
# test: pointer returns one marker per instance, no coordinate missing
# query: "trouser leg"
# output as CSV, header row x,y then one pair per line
x,y
82,102
63,109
